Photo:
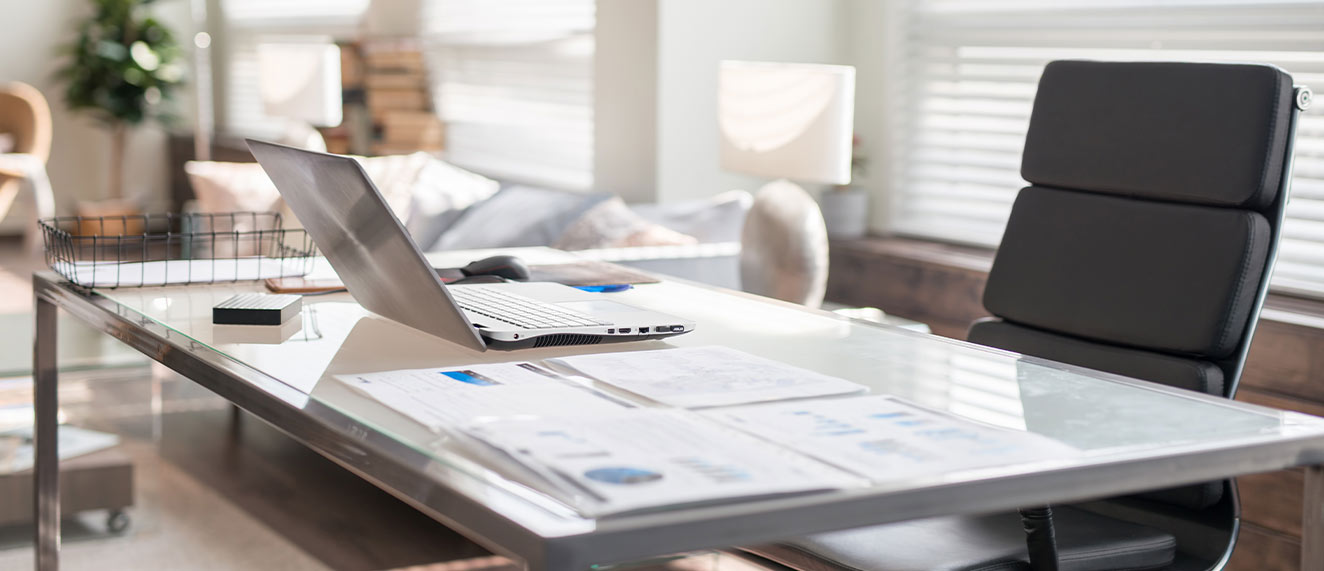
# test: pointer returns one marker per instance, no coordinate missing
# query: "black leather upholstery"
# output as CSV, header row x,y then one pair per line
x,y
1169,277
1199,133
1086,542
1140,249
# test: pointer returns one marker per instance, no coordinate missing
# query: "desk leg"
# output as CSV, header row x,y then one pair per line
x,y
47,465
1312,522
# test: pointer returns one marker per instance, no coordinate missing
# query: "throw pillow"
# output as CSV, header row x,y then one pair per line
x,y
407,182
230,187
611,224
715,219
518,216
440,195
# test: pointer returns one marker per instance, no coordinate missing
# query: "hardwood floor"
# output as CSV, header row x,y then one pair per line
x,y
346,523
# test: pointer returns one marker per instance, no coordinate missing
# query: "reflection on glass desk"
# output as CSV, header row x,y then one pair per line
x,y
1134,435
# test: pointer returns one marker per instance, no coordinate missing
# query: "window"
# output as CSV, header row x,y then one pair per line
x,y
970,68
247,23
513,80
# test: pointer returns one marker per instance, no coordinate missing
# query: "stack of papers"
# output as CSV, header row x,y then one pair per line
x,y
442,399
697,377
621,457
653,458
885,438
166,272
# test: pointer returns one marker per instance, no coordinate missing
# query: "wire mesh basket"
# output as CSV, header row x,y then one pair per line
x,y
175,249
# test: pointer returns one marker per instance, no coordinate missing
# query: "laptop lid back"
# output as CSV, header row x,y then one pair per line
x,y
366,244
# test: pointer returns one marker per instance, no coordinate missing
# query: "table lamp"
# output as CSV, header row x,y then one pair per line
x,y
784,120
300,81
789,122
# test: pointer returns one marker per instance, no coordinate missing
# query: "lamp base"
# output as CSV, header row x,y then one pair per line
x,y
845,211
784,245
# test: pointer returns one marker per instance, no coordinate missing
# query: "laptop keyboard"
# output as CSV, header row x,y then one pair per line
x,y
518,310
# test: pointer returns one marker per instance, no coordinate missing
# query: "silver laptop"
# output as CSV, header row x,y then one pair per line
x,y
385,271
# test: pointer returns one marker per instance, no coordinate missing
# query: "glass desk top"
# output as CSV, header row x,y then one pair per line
x,y
1112,419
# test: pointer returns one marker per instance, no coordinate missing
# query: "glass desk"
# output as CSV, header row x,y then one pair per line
x,y
1135,435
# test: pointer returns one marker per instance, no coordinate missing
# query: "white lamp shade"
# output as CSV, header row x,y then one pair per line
x,y
301,81
781,120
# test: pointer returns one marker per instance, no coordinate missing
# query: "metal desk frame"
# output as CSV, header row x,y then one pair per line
x,y
413,476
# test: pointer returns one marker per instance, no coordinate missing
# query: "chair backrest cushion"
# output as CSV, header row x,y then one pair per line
x,y
1169,277
1199,133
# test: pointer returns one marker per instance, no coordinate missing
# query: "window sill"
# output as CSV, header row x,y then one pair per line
x,y
936,266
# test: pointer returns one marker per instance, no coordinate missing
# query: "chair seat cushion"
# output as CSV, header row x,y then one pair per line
x,y
1169,277
1086,542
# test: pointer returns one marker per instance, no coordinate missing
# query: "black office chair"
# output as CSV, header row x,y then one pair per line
x,y
1142,247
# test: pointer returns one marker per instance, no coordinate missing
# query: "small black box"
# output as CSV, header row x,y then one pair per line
x,y
256,309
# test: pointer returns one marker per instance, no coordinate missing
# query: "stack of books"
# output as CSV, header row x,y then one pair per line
x,y
397,98
388,107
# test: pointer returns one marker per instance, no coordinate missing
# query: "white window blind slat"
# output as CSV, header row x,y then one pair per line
x,y
513,79
248,23
289,15
970,69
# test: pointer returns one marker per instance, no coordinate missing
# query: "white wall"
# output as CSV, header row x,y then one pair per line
x,y
625,99
79,163
874,47
693,36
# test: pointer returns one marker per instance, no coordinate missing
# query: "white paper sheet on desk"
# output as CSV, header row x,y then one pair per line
x,y
453,397
651,458
165,272
882,437
696,377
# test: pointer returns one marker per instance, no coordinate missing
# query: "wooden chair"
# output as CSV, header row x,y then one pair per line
x,y
24,116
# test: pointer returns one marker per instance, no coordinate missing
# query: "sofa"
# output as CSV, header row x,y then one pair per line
x,y
445,207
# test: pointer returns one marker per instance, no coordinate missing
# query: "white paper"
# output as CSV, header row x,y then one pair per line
x,y
165,272
453,397
885,438
653,458
696,377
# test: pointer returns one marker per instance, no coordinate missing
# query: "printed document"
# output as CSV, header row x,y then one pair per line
x,y
885,438
696,377
652,458
454,397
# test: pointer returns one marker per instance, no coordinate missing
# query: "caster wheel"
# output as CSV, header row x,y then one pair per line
x,y
117,521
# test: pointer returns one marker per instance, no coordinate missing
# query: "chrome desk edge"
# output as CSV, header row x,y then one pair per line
x,y
404,472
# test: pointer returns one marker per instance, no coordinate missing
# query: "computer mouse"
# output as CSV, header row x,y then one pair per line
x,y
508,267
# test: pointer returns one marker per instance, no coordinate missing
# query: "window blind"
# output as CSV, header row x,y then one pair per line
x,y
513,80
248,23
969,72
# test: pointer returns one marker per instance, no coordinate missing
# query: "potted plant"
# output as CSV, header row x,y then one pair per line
x,y
121,66
846,207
